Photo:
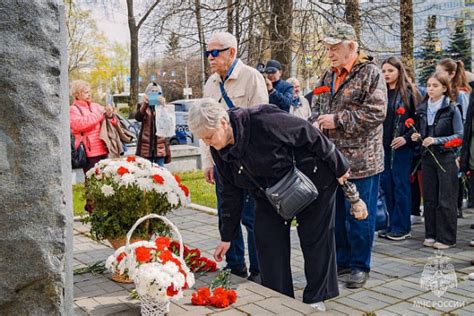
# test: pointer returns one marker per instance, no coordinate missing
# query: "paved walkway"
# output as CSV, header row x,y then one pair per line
x,y
393,287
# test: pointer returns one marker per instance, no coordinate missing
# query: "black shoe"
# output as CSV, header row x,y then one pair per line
x,y
255,277
382,233
398,236
343,271
240,273
357,279
459,213
472,226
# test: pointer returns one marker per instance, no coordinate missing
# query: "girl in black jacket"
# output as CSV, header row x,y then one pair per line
x,y
398,149
439,121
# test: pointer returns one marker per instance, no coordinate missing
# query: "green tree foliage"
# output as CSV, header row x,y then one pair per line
x,y
460,45
431,51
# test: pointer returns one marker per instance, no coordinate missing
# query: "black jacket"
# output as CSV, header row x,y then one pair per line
x,y
281,95
265,138
389,125
444,125
465,154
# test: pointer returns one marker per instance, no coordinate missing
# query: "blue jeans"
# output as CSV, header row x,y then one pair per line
x,y
395,184
235,256
354,238
160,161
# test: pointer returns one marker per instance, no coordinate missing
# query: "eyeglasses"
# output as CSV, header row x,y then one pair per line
x,y
215,52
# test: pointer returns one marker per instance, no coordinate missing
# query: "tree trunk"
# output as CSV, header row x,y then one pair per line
x,y
132,26
281,27
353,15
202,42
230,16
406,33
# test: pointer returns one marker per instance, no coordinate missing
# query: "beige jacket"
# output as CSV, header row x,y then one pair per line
x,y
303,111
245,87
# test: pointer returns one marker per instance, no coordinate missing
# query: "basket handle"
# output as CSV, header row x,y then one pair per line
x,y
164,219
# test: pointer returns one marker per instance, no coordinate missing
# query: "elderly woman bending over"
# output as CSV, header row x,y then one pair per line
x,y
260,143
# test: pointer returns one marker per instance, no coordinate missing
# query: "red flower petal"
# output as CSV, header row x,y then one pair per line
x,y
122,170
143,254
400,110
158,179
320,90
131,159
409,123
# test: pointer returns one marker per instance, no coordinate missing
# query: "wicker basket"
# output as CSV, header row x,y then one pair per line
x,y
150,306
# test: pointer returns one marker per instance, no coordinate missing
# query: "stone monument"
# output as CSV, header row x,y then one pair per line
x,y
35,177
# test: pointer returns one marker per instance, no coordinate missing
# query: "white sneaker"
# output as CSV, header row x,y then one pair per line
x,y
415,219
471,243
319,306
439,245
429,242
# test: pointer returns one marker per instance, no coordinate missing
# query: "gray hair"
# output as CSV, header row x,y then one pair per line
x,y
225,39
206,114
347,42
152,86
292,80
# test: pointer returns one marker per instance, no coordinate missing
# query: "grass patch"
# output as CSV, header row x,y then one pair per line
x,y
202,192
78,199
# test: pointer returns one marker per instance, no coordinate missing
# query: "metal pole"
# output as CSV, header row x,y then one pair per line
x,y
186,79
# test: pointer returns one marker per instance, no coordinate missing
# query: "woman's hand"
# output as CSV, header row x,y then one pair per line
x,y
428,141
458,162
415,137
344,178
398,142
109,111
221,250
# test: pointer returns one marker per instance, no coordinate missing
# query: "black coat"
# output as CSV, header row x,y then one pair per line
x,y
465,154
265,140
281,95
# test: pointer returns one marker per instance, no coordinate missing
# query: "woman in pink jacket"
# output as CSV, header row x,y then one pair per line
x,y
86,118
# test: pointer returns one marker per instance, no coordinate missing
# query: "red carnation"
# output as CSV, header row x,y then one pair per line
x,y
171,291
185,189
158,179
165,256
320,90
143,254
453,143
177,179
121,256
122,170
162,243
131,159
201,297
97,171
195,253
400,111
409,123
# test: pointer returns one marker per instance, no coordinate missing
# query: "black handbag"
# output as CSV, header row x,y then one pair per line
x,y
78,155
291,194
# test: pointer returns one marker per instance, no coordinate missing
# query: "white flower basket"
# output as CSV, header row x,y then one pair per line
x,y
153,306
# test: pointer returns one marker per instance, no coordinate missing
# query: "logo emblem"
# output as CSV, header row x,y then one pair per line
x,y
438,275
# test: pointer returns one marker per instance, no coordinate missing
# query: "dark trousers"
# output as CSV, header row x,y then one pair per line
x,y
354,238
439,197
316,234
415,185
235,256
395,183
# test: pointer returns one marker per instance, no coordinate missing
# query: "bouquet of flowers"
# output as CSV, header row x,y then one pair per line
x,y
222,295
318,105
123,190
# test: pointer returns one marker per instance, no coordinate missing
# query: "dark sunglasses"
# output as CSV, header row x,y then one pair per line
x,y
215,52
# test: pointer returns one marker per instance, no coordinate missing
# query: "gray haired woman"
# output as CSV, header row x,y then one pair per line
x,y
255,148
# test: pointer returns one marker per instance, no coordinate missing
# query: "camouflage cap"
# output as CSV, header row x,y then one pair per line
x,y
338,33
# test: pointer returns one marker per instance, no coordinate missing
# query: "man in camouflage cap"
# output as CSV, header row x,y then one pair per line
x,y
350,111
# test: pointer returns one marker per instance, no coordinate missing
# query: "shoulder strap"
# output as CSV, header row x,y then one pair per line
x,y
227,100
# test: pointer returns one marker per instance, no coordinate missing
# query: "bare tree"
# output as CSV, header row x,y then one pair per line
x,y
134,28
281,27
352,15
406,32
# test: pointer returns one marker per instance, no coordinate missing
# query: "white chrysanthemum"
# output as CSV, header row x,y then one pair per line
x,y
107,190
179,280
145,183
190,279
127,179
90,173
109,170
173,198
170,268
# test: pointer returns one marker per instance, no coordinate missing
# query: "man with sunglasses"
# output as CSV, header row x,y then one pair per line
x,y
233,84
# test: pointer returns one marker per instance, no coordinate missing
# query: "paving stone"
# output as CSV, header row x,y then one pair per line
x,y
367,300
337,308
406,309
446,303
400,289
230,312
254,310
465,310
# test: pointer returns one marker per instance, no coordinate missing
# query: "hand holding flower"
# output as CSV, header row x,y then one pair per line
x,y
428,141
398,142
415,137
